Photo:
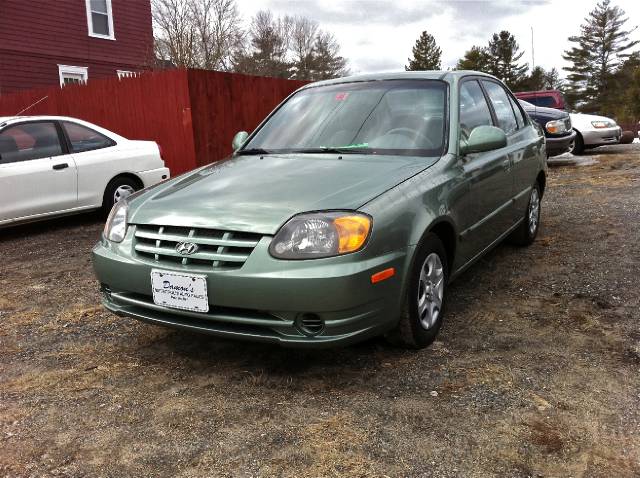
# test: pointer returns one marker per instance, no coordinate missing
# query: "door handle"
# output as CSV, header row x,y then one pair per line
x,y
60,166
507,164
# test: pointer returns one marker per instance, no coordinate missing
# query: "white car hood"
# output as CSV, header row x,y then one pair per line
x,y
583,121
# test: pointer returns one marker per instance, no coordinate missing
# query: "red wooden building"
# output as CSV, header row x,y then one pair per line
x,y
49,42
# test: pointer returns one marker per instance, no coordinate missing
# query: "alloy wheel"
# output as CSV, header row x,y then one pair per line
x,y
122,192
534,211
430,291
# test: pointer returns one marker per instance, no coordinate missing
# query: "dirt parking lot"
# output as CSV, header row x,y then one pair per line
x,y
536,372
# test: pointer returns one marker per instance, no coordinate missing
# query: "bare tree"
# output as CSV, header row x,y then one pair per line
x,y
303,36
175,40
197,33
290,47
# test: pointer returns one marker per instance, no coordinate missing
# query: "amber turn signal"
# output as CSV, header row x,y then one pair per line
x,y
352,232
382,275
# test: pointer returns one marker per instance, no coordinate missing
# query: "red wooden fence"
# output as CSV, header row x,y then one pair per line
x,y
224,103
192,114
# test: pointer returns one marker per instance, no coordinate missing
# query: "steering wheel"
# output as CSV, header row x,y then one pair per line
x,y
413,135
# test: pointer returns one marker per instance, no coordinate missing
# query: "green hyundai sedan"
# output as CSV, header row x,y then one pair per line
x,y
344,215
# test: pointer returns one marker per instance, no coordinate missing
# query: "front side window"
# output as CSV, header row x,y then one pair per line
x,y
502,106
474,110
401,117
82,138
100,19
29,141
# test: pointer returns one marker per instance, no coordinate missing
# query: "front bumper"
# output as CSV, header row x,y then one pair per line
x,y
559,144
266,299
600,137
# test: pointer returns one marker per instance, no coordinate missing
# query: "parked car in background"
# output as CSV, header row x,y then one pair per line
x,y
343,216
593,131
556,125
543,98
54,165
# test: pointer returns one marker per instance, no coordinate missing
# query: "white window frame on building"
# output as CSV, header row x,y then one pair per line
x,y
72,74
126,74
109,14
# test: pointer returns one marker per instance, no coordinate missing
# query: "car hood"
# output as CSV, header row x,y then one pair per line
x,y
586,117
546,113
254,194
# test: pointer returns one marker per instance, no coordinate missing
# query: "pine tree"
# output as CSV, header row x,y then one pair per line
x,y
602,45
426,54
504,54
325,61
475,59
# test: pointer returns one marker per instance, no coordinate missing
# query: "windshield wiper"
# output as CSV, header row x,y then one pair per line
x,y
253,151
334,149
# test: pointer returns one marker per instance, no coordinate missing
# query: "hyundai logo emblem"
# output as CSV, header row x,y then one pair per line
x,y
186,248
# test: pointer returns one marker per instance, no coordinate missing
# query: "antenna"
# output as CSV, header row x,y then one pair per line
x,y
31,105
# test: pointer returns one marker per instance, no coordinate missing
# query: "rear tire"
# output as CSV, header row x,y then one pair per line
x,y
528,228
118,188
578,145
423,308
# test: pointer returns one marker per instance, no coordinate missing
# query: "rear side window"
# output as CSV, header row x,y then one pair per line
x,y
520,117
474,110
85,139
27,141
544,101
502,106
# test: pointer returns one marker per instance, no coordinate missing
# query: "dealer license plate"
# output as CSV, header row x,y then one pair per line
x,y
180,291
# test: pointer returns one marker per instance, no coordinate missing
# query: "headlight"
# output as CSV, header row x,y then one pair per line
x,y
324,234
556,127
116,227
602,124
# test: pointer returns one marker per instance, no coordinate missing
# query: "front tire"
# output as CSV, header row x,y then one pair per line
x,y
578,145
424,303
528,228
117,189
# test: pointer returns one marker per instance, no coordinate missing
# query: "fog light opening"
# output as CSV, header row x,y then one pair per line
x,y
309,324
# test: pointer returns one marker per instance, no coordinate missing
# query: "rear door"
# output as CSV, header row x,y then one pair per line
x,y
488,211
37,176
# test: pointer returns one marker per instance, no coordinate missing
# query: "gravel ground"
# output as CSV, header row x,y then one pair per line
x,y
535,373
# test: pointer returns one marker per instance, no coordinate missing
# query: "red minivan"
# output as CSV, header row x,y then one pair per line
x,y
545,98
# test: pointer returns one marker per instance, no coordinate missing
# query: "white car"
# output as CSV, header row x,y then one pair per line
x,y
593,131
54,165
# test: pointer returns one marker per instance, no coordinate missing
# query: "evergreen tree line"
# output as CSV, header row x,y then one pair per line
x,y
603,75
210,34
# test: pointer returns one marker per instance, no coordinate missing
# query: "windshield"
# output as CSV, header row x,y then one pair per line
x,y
405,117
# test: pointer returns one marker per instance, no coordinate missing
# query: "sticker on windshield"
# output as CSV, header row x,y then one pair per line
x,y
342,96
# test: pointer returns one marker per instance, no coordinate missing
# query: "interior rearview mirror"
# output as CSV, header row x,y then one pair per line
x,y
483,138
239,139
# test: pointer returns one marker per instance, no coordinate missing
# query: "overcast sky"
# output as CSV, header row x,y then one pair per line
x,y
377,35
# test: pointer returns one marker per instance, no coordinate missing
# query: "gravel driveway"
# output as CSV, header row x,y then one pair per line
x,y
536,371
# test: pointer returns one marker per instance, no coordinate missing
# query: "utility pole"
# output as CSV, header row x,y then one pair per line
x,y
533,54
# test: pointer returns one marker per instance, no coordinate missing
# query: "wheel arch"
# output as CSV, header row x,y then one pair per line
x,y
444,228
542,181
127,175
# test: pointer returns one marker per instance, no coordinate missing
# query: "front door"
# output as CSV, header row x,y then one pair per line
x,y
36,177
488,212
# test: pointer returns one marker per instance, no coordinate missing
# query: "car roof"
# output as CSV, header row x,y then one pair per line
x,y
7,119
442,75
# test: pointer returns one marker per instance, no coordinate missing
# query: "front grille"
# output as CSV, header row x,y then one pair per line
x,y
216,249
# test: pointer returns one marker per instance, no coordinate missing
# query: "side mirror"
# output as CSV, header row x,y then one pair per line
x,y
483,138
238,140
